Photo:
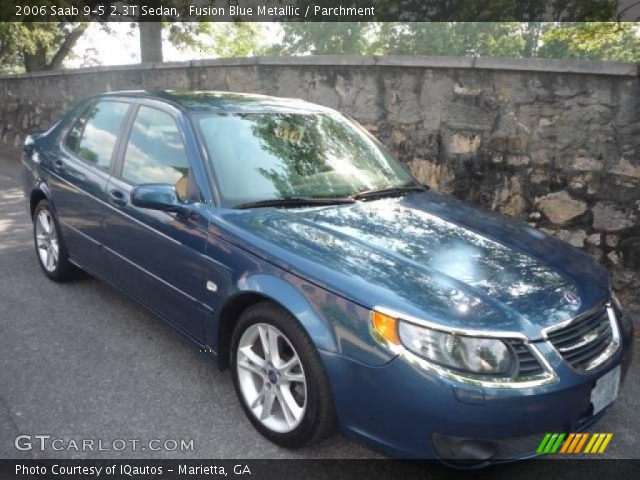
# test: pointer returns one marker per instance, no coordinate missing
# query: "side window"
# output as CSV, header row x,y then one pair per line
x,y
155,152
94,134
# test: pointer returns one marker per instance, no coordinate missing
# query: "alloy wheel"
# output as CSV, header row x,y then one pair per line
x,y
271,378
47,241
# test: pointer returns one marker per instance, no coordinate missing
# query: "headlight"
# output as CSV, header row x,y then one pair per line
x,y
470,354
465,356
479,355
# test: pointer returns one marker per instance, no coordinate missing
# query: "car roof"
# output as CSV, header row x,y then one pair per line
x,y
217,101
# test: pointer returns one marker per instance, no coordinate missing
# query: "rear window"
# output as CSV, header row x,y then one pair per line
x,y
94,134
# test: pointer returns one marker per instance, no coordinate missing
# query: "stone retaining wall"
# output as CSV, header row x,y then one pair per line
x,y
554,143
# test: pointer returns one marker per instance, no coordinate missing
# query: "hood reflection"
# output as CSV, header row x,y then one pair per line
x,y
405,251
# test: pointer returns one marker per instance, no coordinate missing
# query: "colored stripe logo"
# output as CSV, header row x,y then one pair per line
x,y
574,443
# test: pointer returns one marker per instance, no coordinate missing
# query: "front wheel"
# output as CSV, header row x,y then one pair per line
x,y
279,378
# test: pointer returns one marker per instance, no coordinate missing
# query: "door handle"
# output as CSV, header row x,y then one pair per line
x,y
58,164
118,197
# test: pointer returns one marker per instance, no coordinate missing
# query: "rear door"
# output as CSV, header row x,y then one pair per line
x,y
80,170
158,256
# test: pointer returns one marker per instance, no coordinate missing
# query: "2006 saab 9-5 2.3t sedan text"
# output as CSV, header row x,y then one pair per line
x,y
338,290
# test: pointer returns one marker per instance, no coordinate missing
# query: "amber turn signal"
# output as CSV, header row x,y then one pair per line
x,y
386,326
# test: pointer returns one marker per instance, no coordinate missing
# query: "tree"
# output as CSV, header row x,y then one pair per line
x,y
451,38
8,45
222,39
53,43
446,27
236,39
150,41
592,41
37,46
324,38
501,10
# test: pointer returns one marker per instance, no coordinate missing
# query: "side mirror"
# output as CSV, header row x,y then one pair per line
x,y
157,196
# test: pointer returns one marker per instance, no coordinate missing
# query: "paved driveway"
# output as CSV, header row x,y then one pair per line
x,y
81,361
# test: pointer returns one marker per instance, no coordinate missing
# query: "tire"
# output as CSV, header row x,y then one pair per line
x,y
317,415
51,251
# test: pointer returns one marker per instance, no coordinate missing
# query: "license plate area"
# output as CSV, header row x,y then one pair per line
x,y
605,390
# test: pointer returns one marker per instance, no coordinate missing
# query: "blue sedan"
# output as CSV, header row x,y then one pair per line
x,y
287,243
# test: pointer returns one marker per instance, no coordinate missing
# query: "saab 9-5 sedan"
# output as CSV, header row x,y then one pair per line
x,y
283,238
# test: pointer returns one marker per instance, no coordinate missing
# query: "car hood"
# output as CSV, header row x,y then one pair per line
x,y
429,256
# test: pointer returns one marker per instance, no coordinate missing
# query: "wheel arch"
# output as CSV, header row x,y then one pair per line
x,y
231,311
39,192
263,287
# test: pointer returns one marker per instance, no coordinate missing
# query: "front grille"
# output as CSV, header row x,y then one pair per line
x,y
583,340
528,364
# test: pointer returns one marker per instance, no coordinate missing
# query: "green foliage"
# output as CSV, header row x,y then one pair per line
x,y
10,39
450,38
324,38
37,45
187,35
222,39
45,45
477,35
592,41
238,39
488,11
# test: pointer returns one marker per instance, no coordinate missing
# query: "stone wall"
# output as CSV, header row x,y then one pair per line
x,y
554,143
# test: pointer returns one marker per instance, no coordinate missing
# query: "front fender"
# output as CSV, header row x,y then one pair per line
x,y
284,293
334,323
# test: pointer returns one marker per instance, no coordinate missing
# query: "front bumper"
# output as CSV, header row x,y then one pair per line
x,y
398,407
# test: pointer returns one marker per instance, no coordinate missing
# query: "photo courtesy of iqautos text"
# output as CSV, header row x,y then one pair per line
x,y
358,239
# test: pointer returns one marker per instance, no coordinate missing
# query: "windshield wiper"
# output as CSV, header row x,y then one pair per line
x,y
389,192
295,202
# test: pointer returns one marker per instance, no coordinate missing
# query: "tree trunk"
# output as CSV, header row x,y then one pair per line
x,y
150,41
37,61
531,39
66,47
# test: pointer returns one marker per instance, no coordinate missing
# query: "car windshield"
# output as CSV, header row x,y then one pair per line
x,y
271,156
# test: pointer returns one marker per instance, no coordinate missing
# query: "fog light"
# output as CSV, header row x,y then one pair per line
x,y
461,450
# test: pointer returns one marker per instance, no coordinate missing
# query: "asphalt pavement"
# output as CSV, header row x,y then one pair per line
x,y
81,361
